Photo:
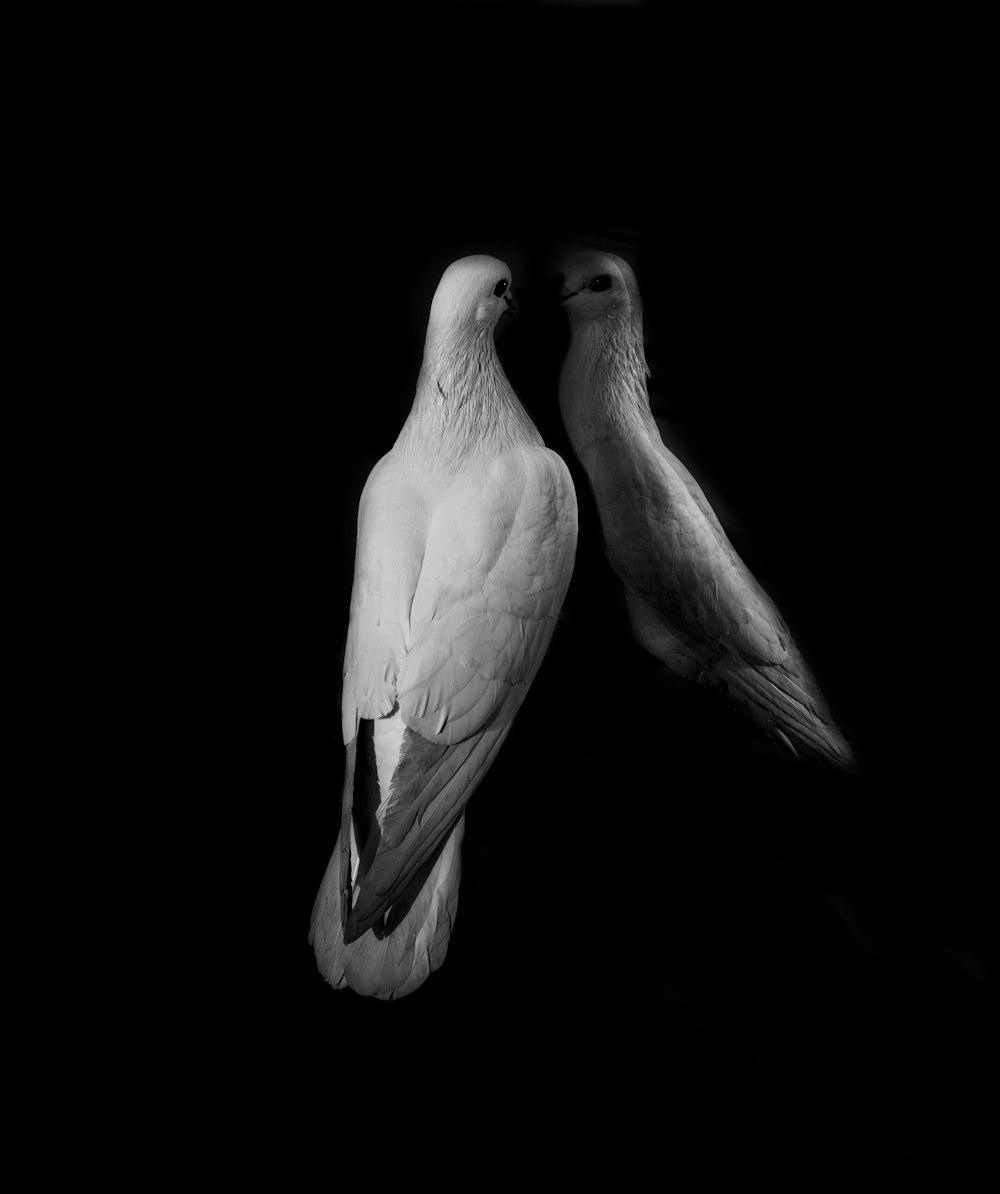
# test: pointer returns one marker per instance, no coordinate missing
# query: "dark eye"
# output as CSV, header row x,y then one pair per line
x,y
601,282
500,287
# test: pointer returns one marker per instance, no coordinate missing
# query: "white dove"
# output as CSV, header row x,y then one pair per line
x,y
692,601
466,542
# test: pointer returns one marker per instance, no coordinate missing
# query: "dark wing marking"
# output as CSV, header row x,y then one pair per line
x,y
433,785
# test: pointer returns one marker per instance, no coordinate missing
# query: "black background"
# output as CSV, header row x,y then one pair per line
x,y
670,944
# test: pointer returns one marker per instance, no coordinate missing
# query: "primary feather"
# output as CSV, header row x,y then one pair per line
x,y
466,540
692,601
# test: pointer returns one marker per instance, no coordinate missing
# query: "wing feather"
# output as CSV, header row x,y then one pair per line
x,y
392,524
437,799
492,574
671,552
694,603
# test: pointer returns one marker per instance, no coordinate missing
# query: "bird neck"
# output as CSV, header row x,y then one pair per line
x,y
464,409
602,388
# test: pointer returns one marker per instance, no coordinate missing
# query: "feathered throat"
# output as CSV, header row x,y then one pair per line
x,y
464,407
603,390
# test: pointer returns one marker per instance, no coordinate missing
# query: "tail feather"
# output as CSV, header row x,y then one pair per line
x,y
790,708
414,942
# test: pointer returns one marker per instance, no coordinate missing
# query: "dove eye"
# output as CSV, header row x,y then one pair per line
x,y
601,282
500,287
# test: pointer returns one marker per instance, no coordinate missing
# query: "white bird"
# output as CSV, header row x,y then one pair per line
x,y
692,601
466,542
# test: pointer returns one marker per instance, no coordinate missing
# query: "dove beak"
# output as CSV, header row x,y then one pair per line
x,y
508,298
568,294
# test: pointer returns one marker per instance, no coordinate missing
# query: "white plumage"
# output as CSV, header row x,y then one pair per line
x,y
692,601
466,541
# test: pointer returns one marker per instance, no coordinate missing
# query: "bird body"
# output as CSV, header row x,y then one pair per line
x,y
692,601
466,540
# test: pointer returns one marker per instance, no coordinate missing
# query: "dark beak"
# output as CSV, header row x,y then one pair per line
x,y
508,298
568,294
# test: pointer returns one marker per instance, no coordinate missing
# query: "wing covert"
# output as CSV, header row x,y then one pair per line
x,y
482,617
666,544
392,522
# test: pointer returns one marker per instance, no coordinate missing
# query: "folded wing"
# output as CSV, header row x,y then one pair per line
x,y
695,604
454,656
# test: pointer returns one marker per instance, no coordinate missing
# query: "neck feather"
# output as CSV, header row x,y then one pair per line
x,y
464,410
602,389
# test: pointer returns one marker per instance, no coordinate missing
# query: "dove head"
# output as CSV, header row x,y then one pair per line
x,y
599,288
464,407
472,295
602,386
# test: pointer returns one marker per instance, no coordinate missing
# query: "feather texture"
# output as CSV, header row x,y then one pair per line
x,y
466,540
692,601
396,963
